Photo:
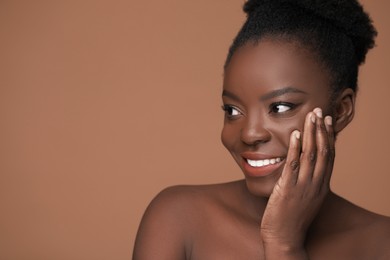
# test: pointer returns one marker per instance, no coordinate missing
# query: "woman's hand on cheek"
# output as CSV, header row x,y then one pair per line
x,y
301,189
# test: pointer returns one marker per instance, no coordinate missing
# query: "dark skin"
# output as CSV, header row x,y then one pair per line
x,y
276,100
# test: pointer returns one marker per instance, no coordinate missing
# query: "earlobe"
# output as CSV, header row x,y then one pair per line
x,y
344,110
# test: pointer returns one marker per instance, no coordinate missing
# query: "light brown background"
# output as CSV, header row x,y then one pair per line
x,y
105,103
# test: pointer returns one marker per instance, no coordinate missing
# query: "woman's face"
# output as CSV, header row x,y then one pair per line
x,y
269,87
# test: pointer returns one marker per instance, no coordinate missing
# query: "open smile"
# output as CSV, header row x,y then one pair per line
x,y
260,165
265,162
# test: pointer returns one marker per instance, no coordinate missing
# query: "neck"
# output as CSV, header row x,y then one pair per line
x,y
327,216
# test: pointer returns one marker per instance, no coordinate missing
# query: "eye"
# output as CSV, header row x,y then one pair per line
x,y
230,110
281,107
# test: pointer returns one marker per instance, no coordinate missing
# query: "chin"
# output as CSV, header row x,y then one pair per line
x,y
261,187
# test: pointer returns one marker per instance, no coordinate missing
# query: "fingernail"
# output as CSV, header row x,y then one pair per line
x,y
313,118
328,120
297,134
318,112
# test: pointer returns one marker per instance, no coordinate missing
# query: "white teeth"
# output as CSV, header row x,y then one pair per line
x,y
260,163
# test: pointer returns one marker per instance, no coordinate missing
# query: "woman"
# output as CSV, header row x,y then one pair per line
x,y
289,88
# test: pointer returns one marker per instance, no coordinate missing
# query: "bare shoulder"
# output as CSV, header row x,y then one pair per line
x,y
172,216
181,200
347,231
378,230
370,230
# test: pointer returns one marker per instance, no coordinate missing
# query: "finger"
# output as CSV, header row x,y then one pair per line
x,y
309,149
331,139
329,128
291,168
323,149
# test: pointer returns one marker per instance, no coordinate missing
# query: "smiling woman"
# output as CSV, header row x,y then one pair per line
x,y
289,89
269,87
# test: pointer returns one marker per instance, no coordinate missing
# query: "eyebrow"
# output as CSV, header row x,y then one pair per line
x,y
273,94
229,94
280,92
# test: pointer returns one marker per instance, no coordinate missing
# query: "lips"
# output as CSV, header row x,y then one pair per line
x,y
260,165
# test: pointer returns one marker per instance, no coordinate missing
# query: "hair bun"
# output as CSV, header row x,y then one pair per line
x,y
250,6
347,15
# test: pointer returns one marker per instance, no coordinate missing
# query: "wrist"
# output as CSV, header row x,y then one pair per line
x,y
289,251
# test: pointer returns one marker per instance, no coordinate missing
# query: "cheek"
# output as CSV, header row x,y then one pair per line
x,y
282,130
228,137
225,137
298,124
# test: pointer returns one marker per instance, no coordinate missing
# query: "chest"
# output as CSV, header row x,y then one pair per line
x,y
237,238
226,239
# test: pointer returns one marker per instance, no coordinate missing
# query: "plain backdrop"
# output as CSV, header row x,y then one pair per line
x,y
105,103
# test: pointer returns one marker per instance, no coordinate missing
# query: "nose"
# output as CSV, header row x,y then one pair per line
x,y
254,131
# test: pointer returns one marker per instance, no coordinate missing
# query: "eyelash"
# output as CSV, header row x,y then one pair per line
x,y
273,107
228,112
228,109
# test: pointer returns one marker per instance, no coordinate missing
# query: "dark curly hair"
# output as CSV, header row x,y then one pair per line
x,y
339,32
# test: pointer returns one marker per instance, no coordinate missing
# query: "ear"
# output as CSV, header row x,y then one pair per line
x,y
344,109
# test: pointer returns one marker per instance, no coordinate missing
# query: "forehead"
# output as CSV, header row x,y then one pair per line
x,y
272,64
